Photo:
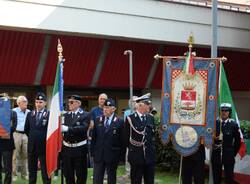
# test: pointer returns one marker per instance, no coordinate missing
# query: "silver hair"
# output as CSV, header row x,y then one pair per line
x,y
20,99
103,94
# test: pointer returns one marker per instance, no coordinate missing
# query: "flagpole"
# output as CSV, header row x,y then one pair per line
x,y
61,61
214,55
130,53
180,171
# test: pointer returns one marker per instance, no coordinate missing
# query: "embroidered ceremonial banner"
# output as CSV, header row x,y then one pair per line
x,y
189,104
5,118
188,98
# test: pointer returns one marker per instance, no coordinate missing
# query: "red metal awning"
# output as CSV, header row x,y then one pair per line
x,y
20,54
115,72
19,57
81,57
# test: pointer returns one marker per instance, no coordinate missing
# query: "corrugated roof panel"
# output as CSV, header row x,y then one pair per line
x,y
81,57
115,73
19,56
157,80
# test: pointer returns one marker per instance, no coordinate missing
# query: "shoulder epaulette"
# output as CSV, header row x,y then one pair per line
x,y
33,113
80,111
45,113
135,114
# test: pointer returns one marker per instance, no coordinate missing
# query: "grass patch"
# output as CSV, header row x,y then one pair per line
x,y
160,177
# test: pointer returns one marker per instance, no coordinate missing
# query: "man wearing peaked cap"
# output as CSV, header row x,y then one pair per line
x,y
41,96
36,129
138,135
74,149
226,145
106,145
109,102
144,98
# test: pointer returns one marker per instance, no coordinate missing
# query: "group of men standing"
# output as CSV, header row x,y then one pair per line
x,y
112,134
27,140
109,135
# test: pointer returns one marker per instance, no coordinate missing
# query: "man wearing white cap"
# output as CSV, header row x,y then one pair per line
x,y
139,138
227,144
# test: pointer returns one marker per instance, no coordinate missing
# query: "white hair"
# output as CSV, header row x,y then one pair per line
x,y
20,99
103,94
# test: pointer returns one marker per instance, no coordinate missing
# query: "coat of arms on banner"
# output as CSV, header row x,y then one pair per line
x,y
188,98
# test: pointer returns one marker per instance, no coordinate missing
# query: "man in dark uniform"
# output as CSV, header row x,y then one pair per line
x,y
74,150
6,151
138,133
107,143
193,167
36,129
226,144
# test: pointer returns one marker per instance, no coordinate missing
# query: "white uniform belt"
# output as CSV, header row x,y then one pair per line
x,y
73,145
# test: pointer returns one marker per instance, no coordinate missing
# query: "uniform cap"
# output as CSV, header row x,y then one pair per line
x,y
75,97
41,96
144,99
226,106
109,102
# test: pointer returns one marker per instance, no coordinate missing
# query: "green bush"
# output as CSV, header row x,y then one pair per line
x,y
245,128
166,157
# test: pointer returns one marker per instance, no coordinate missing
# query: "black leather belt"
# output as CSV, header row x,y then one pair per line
x,y
20,132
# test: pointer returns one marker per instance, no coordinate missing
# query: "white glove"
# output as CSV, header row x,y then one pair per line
x,y
64,128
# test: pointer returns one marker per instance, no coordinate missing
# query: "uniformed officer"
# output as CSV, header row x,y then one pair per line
x,y
107,143
138,132
74,150
36,129
193,167
227,144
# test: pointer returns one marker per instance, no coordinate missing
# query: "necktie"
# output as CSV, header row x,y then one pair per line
x,y
106,124
73,115
38,116
143,118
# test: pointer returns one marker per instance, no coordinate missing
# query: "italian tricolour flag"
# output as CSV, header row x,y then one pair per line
x,y
189,64
242,165
54,136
